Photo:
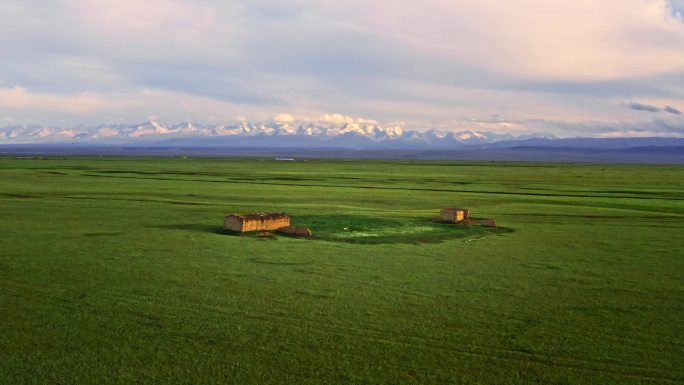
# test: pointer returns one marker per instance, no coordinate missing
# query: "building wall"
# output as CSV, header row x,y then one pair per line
x,y
454,215
232,224
265,224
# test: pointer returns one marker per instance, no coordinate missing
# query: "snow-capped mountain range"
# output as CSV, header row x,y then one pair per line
x,y
330,131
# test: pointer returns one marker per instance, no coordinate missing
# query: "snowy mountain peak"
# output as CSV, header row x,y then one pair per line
x,y
330,130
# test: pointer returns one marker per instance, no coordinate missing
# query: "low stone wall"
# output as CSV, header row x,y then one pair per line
x,y
296,231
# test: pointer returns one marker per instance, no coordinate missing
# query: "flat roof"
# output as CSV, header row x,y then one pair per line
x,y
260,216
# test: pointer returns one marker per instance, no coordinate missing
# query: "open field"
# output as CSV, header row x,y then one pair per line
x,y
114,271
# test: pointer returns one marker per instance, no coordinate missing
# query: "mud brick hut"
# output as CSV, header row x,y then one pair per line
x,y
255,222
454,215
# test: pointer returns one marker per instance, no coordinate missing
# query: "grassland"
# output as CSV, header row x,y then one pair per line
x,y
114,271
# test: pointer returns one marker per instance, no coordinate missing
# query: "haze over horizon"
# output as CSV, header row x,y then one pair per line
x,y
613,68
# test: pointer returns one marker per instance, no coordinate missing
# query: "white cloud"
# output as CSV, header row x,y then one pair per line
x,y
427,63
284,118
19,98
638,134
135,105
107,132
552,39
336,118
149,19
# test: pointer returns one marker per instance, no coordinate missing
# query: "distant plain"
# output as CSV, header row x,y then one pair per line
x,y
115,271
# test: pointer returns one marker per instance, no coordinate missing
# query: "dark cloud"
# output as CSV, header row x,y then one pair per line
x,y
648,108
677,7
672,110
641,107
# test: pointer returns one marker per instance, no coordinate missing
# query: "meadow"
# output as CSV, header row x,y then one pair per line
x,y
116,271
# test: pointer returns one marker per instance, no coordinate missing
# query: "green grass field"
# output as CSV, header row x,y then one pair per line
x,y
115,271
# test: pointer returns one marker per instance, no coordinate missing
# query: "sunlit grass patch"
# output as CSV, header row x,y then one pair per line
x,y
379,230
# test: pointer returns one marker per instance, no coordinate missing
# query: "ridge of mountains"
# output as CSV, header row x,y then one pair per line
x,y
331,132
344,133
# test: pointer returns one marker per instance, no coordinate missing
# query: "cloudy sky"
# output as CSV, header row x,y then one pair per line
x,y
580,67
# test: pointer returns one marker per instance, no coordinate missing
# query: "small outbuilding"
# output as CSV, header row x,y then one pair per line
x,y
454,215
255,222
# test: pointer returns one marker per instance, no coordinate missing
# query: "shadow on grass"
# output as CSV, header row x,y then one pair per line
x,y
212,229
19,196
198,228
263,261
383,230
364,230
104,234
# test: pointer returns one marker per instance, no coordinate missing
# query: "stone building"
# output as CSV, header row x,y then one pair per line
x,y
255,222
454,215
